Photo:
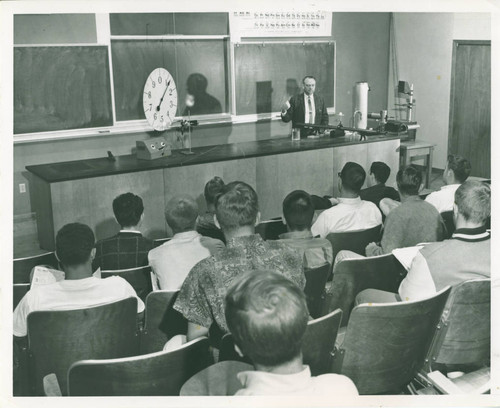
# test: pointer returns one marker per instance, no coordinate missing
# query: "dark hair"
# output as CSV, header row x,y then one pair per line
x,y
473,200
308,77
74,243
181,213
381,171
212,189
409,180
128,209
236,206
267,316
460,166
352,176
298,210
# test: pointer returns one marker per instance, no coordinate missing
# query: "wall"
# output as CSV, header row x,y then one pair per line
x,y
424,54
362,55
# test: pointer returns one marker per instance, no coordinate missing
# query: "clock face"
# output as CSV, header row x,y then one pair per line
x,y
160,99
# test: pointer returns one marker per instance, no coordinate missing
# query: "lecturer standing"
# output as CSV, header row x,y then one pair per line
x,y
306,107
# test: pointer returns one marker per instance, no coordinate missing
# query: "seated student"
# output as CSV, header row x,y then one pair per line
x,y
413,222
205,224
456,171
465,256
379,173
298,213
267,316
172,261
127,249
201,298
351,213
74,250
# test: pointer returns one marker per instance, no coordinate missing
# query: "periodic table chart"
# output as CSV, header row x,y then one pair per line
x,y
280,24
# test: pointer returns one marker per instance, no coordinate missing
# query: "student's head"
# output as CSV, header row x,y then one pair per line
x,y
409,180
352,178
457,170
197,84
128,209
298,210
212,189
309,83
472,203
267,316
237,206
380,171
75,245
181,213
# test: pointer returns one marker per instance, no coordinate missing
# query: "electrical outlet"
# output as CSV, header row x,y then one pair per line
x,y
22,188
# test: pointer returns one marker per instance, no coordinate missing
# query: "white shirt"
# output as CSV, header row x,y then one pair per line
x,y
172,261
306,108
302,383
70,295
349,215
444,198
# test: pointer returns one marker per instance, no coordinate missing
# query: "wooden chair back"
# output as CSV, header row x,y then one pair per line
x,y
319,342
351,276
385,344
161,373
161,321
23,266
139,278
227,351
463,333
20,289
315,288
56,339
355,241
271,229
449,223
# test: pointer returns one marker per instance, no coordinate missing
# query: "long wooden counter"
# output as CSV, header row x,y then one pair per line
x,y
83,190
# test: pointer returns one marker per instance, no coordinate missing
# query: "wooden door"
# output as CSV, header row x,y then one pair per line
x,y
470,105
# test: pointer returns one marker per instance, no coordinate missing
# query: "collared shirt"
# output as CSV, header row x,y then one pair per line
x,y
315,251
70,295
444,198
349,215
465,256
301,383
306,108
172,261
125,250
201,298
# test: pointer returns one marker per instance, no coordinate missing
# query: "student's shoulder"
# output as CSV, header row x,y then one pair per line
x,y
334,383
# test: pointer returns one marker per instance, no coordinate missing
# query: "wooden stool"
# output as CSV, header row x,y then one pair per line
x,y
415,150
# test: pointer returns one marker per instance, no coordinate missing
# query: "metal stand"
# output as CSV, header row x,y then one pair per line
x,y
188,152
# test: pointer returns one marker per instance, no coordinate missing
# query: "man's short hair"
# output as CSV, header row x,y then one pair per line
x,y
74,243
212,189
128,209
298,210
460,166
353,177
181,213
409,180
473,200
267,316
308,77
381,171
236,206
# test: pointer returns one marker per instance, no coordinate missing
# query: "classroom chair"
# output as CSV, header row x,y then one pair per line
x,y
271,229
352,276
315,288
23,266
449,223
161,373
58,338
161,321
385,344
160,241
20,289
139,278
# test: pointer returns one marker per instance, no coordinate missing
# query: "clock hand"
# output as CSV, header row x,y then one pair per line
x,y
161,100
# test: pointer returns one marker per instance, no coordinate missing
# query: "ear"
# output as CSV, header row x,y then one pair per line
x,y
421,187
216,222
257,219
58,260
455,213
283,220
237,349
92,254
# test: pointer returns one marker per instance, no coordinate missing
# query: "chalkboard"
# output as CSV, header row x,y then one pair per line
x,y
61,87
196,64
267,74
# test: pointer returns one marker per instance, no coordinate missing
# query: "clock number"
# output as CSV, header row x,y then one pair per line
x,y
154,84
170,92
150,106
159,80
171,104
155,116
149,94
161,118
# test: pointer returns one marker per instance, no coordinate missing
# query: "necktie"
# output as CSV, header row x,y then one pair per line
x,y
310,109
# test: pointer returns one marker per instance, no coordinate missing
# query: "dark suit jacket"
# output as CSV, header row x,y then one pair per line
x,y
296,112
377,192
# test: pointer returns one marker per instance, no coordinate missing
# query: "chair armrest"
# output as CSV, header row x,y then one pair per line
x,y
477,382
51,386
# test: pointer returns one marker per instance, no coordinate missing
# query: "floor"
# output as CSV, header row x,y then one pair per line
x,y
25,230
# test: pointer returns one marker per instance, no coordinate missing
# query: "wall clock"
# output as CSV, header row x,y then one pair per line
x,y
160,99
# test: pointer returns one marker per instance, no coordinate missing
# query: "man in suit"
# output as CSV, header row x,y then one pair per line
x,y
306,107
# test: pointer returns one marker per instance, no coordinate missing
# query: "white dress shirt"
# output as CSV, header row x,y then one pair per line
x,y
306,108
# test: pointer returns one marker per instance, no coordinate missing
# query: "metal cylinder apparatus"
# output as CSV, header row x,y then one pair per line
x,y
360,114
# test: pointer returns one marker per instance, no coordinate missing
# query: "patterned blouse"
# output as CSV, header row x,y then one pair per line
x,y
201,298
